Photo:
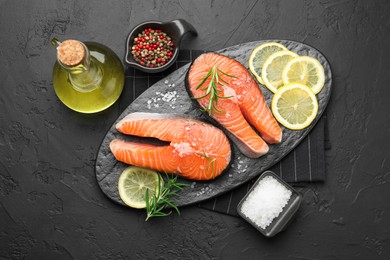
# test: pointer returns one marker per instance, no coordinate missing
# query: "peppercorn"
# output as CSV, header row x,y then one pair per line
x,y
152,48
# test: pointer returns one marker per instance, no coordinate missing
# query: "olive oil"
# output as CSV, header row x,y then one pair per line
x,y
94,82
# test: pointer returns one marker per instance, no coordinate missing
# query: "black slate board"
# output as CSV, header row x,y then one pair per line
x,y
242,168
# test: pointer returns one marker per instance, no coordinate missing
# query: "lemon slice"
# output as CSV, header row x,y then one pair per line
x,y
295,106
271,72
260,54
306,70
133,183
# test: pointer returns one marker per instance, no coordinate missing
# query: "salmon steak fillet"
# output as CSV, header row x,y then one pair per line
x,y
240,106
194,149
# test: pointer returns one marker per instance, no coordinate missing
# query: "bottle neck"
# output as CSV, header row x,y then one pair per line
x,y
85,76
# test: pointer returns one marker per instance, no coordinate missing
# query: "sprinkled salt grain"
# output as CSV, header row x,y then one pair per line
x,y
168,96
266,201
166,81
173,85
183,148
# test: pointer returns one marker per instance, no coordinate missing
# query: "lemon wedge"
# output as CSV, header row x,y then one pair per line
x,y
271,72
305,70
295,106
133,183
260,54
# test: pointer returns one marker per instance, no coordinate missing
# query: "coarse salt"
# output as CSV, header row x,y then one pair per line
x,y
183,148
266,201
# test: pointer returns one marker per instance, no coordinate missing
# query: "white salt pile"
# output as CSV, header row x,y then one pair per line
x,y
266,201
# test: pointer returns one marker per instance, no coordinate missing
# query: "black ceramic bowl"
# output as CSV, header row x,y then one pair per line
x,y
175,29
284,218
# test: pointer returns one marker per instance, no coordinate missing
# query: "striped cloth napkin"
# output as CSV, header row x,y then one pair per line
x,y
306,163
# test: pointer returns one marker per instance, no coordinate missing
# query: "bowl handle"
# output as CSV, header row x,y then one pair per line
x,y
183,27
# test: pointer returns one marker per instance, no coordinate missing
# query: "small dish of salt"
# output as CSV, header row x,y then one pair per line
x,y
270,204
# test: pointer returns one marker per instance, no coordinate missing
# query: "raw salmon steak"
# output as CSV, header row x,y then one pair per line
x,y
194,149
240,106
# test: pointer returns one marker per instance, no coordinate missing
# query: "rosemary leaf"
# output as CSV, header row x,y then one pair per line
x,y
204,79
224,73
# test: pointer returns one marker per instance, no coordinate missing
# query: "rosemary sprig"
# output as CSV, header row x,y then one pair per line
x,y
212,90
156,204
211,162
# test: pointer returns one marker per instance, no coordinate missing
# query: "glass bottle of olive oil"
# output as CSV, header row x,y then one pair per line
x,y
87,77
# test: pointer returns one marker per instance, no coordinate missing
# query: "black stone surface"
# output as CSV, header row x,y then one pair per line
x,y
51,206
108,169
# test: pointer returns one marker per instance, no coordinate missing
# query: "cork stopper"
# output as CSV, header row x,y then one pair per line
x,y
71,52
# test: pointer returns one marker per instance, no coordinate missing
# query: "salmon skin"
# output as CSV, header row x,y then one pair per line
x,y
240,106
196,150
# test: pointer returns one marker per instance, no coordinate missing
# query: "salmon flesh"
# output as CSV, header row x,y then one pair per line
x,y
194,149
241,105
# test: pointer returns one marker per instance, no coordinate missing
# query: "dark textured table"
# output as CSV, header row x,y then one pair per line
x,y
50,204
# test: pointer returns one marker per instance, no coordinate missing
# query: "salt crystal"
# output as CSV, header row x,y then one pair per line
x,y
266,201
166,81
183,148
173,85
169,85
